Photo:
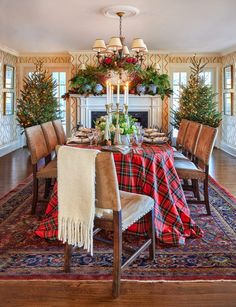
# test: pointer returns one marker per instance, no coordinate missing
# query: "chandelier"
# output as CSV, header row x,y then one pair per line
x,y
116,47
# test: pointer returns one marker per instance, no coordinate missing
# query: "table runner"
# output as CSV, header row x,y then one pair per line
x,y
149,171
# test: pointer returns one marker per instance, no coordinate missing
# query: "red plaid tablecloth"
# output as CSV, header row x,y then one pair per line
x,y
147,171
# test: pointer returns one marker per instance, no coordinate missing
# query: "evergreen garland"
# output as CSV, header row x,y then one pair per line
x,y
37,104
197,100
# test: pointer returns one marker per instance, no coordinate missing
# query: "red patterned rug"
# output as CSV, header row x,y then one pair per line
x,y
23,255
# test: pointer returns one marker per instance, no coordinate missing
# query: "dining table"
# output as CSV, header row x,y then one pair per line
x,y
147,170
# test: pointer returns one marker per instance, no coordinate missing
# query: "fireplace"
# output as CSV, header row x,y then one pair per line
x,y
141,116
85,110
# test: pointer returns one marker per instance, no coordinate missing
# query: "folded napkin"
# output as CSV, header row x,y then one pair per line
x,y
76,196
77,140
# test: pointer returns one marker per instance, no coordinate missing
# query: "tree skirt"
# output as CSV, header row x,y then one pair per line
x,y
24,256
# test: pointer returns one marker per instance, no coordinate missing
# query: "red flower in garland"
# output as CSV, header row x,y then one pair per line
x,y
131,60
107,61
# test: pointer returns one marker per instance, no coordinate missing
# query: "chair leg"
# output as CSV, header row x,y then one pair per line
x,y
117,252
35,194
196,189
67,255
48,182
151,233
206,196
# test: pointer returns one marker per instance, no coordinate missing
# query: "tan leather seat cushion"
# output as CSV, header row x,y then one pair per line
x,y
48,171
188,170
134,206
179,155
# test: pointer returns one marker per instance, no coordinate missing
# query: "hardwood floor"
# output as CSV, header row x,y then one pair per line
x,y
16,166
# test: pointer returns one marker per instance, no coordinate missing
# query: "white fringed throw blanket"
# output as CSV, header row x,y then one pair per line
x,y
76,196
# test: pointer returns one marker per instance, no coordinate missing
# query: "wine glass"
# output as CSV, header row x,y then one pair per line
x,y
139,138
91,137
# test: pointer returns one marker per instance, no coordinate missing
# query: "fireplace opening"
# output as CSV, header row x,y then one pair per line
x,y
141,116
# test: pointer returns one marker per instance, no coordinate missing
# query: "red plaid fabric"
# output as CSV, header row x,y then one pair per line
x,y
149,171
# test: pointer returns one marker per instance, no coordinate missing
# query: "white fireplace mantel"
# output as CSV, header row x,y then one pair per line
x,y
81,108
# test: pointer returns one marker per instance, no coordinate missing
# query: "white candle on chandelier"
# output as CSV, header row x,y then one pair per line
x,y
118,91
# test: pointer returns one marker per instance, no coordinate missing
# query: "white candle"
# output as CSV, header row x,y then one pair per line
x,y
124,94
107,92
112,89
127,93
118,91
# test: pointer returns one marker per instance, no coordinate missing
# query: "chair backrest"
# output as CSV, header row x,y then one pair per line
x,y
107,188
61,136
50,136
205,143
181,133
36,143
191,137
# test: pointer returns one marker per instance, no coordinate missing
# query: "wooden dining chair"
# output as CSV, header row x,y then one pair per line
x,y
50,136
52,142
198,169
182,133
38,151
61,136
125,210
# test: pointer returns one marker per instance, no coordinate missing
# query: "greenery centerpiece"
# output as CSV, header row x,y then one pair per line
x,y
197,100
37,103
126,124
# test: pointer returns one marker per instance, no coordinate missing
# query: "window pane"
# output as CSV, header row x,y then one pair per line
x,y
176,78
62,78
183,78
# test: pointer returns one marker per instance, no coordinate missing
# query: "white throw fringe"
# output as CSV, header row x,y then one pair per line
x,y
76,233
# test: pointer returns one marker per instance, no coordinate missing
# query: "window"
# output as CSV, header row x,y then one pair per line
x,y
179,78
207,76
60,78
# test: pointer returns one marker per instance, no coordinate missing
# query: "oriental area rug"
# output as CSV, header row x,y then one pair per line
x,y
25,256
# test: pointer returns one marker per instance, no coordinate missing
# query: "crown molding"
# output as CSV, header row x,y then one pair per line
x,y
43,54
228,51
9,50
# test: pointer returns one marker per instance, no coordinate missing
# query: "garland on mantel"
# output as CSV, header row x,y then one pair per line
x,y
142,81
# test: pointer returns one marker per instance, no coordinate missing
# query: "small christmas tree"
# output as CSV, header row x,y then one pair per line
x,y
37,104
197,100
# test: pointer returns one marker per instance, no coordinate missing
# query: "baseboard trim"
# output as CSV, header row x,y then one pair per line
x,y
229,149
10,147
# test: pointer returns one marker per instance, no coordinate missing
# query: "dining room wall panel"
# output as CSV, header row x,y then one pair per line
x,y
9,134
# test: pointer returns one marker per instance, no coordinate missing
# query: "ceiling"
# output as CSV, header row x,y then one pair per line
x,y
174,26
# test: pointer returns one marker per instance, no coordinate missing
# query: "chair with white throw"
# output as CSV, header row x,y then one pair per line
x,y
85,207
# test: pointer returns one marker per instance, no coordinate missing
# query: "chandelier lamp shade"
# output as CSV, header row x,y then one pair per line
x,y
116,47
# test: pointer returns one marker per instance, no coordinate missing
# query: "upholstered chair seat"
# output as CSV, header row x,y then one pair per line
x,y
179,155
188,170
48,171
133,207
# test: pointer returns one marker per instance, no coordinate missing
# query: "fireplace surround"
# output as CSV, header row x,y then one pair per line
x,y
84,109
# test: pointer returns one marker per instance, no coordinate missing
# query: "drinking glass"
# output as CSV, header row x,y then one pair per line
x,y
90,137
139,138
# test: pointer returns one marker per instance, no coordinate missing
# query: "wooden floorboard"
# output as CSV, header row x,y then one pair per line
x,y
16,166
71,293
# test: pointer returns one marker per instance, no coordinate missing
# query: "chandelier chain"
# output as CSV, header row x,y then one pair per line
x,y
120,25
